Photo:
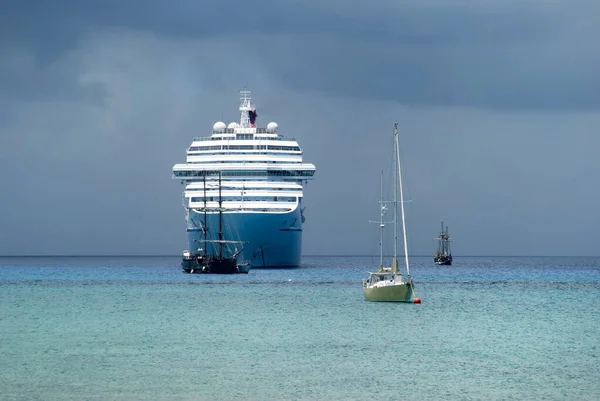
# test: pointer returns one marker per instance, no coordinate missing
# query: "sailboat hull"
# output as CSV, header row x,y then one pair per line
x,y
443,261
214,265
389,293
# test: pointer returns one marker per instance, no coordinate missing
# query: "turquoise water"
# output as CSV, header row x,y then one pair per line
x,y
120,328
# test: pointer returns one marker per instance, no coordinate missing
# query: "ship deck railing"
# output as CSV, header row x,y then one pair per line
x,y
218,138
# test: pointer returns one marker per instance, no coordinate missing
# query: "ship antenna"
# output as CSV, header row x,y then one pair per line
x,y
247,110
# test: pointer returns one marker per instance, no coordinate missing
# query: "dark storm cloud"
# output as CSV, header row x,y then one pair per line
x,y
401,21
23,77
492,54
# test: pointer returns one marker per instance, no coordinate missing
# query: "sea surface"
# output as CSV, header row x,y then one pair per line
x,y
137,328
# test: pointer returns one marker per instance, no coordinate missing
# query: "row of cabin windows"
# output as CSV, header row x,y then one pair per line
x,y
225,187
193,154
242,161
263,209
245,136
246,198
258,131
244,147
237,173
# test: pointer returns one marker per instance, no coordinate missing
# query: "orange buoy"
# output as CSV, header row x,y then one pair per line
x,y
417,300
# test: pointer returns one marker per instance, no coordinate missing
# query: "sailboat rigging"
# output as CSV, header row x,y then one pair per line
x,y
388,283
443,255
217,262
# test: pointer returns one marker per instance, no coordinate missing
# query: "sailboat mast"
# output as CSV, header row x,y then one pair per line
x,y
381,226
401,197
205,228
447,241
442,246
394,262
220,220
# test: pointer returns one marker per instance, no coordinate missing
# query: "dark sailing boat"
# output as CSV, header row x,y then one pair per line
x,y
220,260
443,255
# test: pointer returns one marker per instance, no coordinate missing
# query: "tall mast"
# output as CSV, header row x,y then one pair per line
x,y
381,226
205,228
220,220
447,241
442,244
401,197
382,211
395,260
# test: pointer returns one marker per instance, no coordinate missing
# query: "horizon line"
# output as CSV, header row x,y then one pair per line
x,y
309,256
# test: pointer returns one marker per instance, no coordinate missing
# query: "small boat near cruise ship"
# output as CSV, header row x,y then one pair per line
x,y
388,284
221,258
263,177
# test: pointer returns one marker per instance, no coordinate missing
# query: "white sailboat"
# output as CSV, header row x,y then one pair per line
x,y
388,283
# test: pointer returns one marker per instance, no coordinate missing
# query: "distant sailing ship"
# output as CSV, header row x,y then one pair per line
x,y
443,255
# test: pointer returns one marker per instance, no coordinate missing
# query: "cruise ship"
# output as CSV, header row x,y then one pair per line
x,y
254,177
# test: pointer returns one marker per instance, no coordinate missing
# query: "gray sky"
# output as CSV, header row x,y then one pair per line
x,y
498,103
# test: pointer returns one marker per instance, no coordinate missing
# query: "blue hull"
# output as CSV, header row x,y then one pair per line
x,y
274,239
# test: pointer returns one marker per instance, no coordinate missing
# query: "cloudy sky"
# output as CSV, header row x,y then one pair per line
x,y
498,104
